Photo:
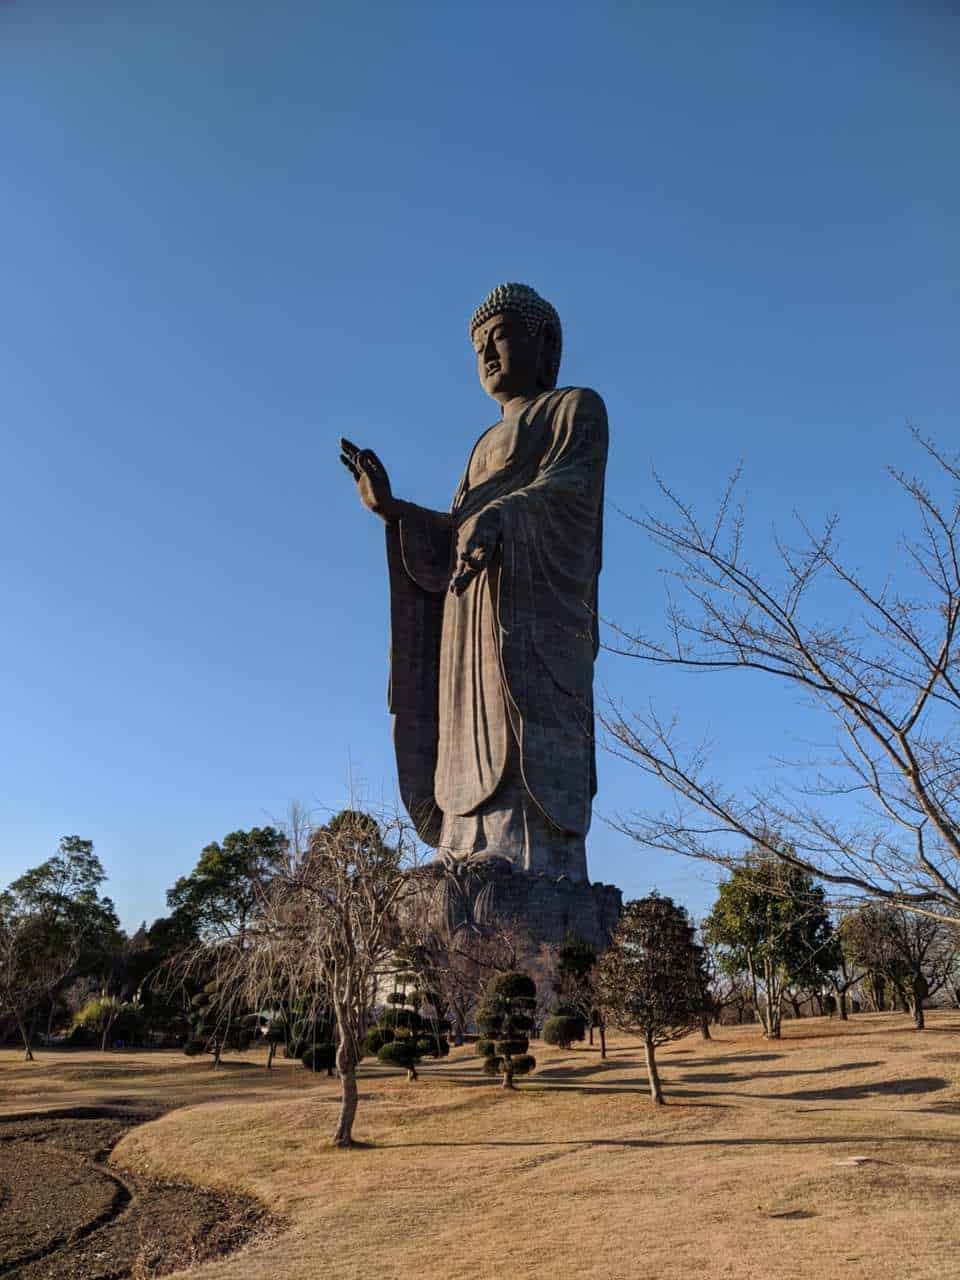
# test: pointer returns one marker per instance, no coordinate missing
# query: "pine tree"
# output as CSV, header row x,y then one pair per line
x,y
505,1020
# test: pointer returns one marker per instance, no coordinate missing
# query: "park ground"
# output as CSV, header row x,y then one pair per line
x,y
835,1151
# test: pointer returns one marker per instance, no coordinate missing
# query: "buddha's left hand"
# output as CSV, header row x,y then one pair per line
x,y
476,543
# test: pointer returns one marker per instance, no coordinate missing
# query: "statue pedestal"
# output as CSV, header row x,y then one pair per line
x,y
484,893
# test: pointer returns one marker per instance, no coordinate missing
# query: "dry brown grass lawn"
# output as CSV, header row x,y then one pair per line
x,y
747,1173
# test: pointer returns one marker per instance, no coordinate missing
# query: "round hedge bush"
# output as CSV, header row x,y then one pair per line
x,y
514,986
398,1053
376,1038
562,1030
407,1019
493,1065
523,1065
193,1047
510,1048
321,1057
485,1047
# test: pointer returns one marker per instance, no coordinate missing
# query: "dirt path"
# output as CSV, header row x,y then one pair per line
x,y
67,1216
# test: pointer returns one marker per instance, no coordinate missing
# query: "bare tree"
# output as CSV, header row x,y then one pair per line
x,y
888,681
732,991
33,964
453,953
844,974
328,924
914,954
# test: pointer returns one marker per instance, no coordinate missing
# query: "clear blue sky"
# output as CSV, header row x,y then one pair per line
x,y
233,231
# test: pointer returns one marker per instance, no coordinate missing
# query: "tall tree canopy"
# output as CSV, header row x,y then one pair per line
x,y
54,926
646,981
222,893
913,954
770,920
63,895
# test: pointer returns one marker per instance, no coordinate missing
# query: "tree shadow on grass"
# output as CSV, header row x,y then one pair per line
x,y
907,1030
729,1077
840,1093
654,1143
729,1060
573,1073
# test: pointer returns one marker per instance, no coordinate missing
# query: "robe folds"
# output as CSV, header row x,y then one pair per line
x,y
500,678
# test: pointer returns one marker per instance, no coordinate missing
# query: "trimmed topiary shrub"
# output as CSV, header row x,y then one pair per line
x,y
510,1048
376,1038
321,1057
562,1030
485,1047
514,986
399,1019
314,1026
401,1023
401,1053
193,1047
504,1018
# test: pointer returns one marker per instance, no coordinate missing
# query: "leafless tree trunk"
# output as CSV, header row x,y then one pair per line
x,y
349,1094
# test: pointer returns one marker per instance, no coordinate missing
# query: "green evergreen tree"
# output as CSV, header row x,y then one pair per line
x,y
770,919
645,979
221,895
505,1019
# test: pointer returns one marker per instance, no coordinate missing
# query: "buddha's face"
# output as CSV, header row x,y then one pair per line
x,y
508,357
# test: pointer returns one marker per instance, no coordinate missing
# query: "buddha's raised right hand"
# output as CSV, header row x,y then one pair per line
x,y
373,483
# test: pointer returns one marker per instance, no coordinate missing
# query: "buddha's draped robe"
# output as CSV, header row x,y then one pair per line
x,y
492,690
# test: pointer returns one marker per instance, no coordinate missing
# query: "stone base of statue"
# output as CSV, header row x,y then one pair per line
x,y
484,893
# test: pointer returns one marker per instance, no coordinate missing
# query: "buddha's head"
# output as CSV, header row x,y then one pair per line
x,y
517,337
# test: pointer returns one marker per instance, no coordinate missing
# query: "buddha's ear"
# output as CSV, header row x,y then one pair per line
x,y
547,363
